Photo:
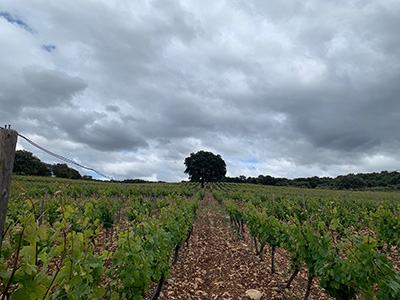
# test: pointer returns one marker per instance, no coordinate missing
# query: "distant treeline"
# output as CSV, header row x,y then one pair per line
x,y
25,163
378,181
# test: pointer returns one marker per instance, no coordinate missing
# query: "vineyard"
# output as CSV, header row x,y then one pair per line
x,y
68,239
346,241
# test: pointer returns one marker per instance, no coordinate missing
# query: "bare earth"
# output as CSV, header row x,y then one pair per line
x,y
216,264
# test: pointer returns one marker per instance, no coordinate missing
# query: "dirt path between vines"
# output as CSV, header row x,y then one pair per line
x,y
217,265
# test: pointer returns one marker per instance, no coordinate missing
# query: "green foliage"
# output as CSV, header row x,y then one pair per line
x,y
61,259
204,167
140,206
148,248
382,180
78,270
129,280
63,171
315,232
217,195
350,181
105,213
387,226
202,194
25,163
58,258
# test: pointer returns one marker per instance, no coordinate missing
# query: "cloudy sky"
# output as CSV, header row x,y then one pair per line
x,y
131,88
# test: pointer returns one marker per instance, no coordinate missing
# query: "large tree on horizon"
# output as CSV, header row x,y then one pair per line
x,y
25,163
205,166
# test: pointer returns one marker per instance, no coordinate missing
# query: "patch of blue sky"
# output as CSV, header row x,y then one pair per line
x,y
14,20
49,48
250,163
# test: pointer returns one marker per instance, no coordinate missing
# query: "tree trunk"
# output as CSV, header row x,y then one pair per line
x,y
175,259
273,259
295,272
308,292
159,287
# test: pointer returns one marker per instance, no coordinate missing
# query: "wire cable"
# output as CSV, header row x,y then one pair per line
x,y
60,157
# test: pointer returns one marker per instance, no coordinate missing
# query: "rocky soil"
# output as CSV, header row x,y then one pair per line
x,y
218,264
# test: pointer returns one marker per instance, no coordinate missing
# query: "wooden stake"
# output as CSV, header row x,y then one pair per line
x,y
8,141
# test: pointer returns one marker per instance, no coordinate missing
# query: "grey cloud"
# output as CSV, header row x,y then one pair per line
x,y
37,87
302,87
93,129
98,131
129,45
112,108
52,86
110,137
343,140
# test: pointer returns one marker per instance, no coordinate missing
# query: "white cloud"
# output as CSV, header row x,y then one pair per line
x,y
132,88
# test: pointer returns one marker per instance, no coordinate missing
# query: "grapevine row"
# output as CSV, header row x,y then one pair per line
x,y
52,246
340,241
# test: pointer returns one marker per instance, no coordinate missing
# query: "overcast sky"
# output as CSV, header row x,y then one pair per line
x,y
282,88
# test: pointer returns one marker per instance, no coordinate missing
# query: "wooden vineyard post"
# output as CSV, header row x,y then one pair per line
x,y
8,141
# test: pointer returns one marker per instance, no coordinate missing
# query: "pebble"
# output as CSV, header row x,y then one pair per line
x,y
254,294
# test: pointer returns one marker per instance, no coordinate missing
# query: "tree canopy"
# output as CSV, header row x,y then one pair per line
x,y
63,171
25,163
205,166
